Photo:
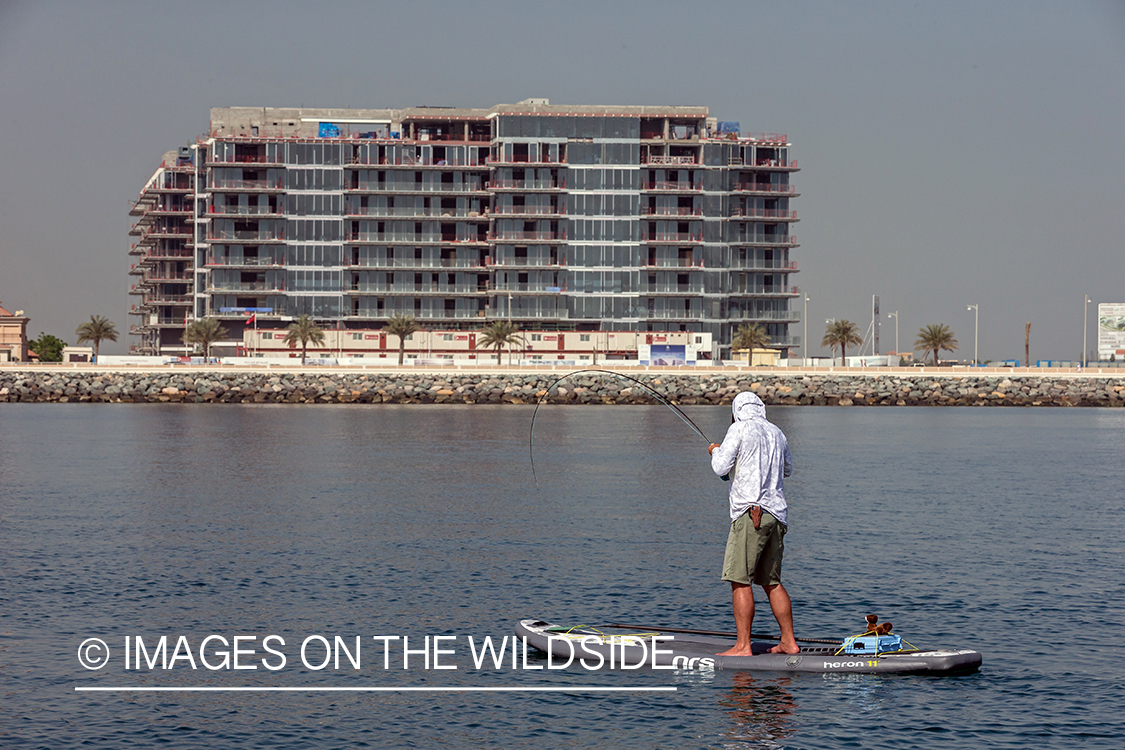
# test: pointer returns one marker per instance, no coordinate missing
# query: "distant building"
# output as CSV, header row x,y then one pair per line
x,y
558,218
757,357
463,346
78,354
13,336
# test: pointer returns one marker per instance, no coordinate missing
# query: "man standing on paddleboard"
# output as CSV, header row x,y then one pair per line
x,y
755,456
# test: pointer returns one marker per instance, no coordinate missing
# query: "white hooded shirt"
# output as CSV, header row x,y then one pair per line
x,y
756,455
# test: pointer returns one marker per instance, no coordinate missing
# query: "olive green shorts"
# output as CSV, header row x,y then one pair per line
x,y
754,555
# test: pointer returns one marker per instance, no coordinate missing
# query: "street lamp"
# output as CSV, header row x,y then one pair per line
x,y
976,329
805,340
895,316
1085,319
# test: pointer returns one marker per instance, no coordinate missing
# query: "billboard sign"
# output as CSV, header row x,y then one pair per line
x,y
668,354
1111,330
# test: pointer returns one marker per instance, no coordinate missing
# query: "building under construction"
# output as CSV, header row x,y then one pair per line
x,y
558,218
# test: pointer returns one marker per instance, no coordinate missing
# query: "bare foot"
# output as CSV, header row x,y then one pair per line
x,y
785,648
736,652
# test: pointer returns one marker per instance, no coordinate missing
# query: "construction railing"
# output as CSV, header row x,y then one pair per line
x,y
761,187
667,185
516,235
228,184
763,213
669,160
670,211
245,210
768,239
530,210
671,237
527,184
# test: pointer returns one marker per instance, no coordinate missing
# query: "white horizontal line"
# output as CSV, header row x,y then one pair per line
x,y
582,689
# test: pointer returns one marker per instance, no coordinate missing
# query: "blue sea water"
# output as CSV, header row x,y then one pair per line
x,y
994,529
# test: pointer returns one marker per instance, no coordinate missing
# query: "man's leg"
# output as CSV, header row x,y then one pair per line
x,y
783,612
743,596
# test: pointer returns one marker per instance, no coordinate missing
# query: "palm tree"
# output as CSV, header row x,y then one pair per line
x,y
499,334
750,336
301,331
402,326
204,332
934,337
841,333
97,329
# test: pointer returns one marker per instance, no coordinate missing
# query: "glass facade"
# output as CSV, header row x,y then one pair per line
x,y
580,220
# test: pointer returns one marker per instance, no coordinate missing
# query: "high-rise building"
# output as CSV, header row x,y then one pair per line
x,y
555,217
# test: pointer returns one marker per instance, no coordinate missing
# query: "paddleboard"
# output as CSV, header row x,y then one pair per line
x,y
626,648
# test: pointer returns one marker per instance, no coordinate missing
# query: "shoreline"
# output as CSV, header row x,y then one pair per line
x,y
912,386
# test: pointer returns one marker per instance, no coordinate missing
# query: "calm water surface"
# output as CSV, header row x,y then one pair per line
x,y
995,529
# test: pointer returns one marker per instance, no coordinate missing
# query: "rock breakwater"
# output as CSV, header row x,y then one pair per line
x,y
306,387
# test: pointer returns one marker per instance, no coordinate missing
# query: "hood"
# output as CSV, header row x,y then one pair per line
x,y
748,406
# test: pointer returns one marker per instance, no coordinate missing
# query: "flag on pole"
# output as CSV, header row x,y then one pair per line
x,y
252,318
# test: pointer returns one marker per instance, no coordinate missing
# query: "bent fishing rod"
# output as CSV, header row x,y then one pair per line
x,y
643,386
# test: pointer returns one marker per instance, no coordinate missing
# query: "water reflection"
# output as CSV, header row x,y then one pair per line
x,y
761,710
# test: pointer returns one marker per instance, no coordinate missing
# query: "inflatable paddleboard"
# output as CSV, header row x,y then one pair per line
x,y
626,648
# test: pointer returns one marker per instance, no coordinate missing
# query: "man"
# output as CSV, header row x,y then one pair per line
x,y
755,455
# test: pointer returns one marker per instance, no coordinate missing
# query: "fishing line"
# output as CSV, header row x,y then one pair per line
x,y
646,388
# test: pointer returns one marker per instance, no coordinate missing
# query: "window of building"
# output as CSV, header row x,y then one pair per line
x,y
584,337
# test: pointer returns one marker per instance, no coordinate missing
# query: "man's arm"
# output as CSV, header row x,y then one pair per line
x,y
724,456
788,460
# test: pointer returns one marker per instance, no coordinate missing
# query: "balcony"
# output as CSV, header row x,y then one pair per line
x,y
155,232
671,263
688,237
674,160
526,185
780,163
779,139
527,263
764,290
225,184
766,239
245,211
528,236
408,161
245,262
529,210
763,187
159,254
409,213
406,188
170,210
270,287
528,289
409,263
670,211
764,265
242,159
157,276
671,315
764,213
411,239
773,316
524,160
675,187
246,236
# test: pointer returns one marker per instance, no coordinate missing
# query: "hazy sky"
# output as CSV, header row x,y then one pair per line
x,y
950,152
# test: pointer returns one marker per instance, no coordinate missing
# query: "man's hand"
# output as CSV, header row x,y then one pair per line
x,y
711,448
